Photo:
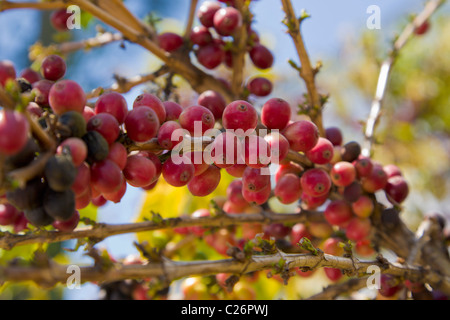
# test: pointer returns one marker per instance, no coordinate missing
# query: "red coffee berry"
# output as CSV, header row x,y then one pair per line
x,y
113,103
228,58
82,180
260,87
88,113
276,230
334,135
422,29
165,132
363,207
358,228
321,230
106,176
105,124
351,192
363,166
67,95
302,135
118,153
34,109
279,146
7,72
53,67
30,75
290,167
234,194
139,171
227,20
69,225
333,274
214,101
156,162
257,197
313,202
99,201
58,19
240,115
288,189
377,179
14,130
338,213
299,231
276,113
77,147
261,57
343,174
364,248
83,200
201,36
389,285
392,170
322,152
197,230
173,110
8,214
141,124
178,174
206,13
41,90
196,120
226,150
253,179
198,160
236,170
169,41
333,246
211,55
153,102
316,182
396,189
205,183
257,153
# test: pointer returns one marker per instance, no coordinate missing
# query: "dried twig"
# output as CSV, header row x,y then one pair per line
x,y
386,68
101,231
307,71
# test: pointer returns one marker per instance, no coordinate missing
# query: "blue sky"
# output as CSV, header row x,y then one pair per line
x,y
332,22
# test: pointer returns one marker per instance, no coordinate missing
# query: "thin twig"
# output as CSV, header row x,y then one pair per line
x,y
239,48
307,72
170,270
123,85
86,44
386,68
53,5
101,231
190,20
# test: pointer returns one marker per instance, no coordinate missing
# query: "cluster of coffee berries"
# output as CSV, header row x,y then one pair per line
x,y
212,42
93,161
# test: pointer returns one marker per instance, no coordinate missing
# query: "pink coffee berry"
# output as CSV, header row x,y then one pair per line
x,y
113,103
276,113
196,120
322,152
240,115
67,95
141,124
302,135
152,101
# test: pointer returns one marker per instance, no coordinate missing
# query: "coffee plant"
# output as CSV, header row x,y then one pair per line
x,y
248,195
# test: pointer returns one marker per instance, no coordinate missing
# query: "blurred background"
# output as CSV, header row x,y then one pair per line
x,y
413,132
